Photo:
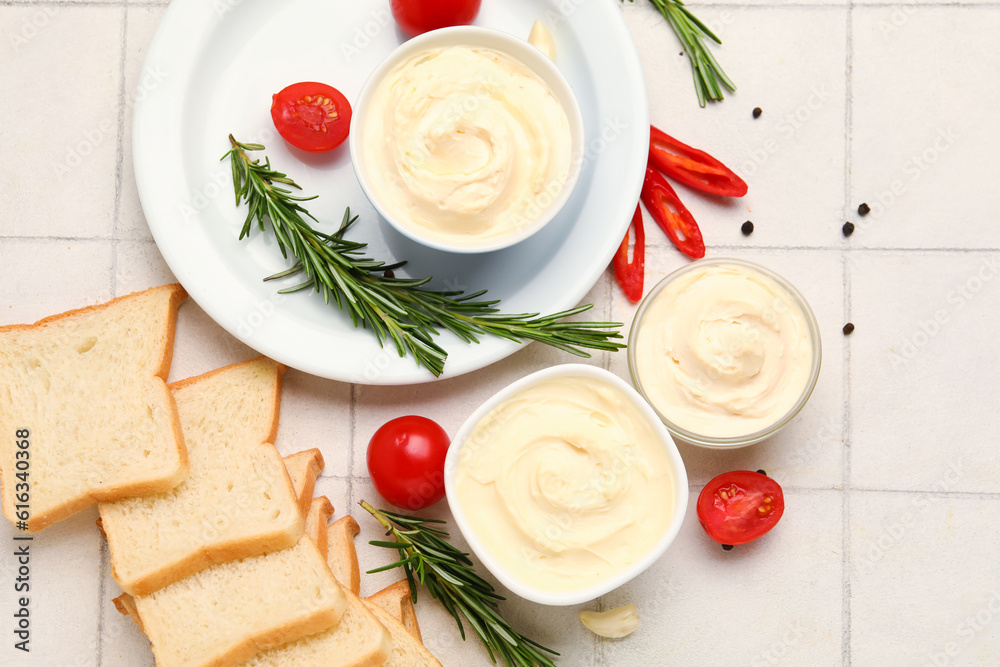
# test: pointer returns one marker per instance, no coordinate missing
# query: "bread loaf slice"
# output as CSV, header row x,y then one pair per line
x,y
317,520
407,651
343,556
237,501
395,599
87,390
358,640
303,469
229,612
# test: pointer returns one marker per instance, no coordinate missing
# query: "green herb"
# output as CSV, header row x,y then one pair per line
x,y
447,572
396,308
690,31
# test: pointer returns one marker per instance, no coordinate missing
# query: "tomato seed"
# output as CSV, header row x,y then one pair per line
x,y
848,329
747,228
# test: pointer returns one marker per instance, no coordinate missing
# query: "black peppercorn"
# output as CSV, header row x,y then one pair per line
x,y
747,228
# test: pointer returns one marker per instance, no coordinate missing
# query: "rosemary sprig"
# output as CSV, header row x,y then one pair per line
x,y
707,72
429,559
400,309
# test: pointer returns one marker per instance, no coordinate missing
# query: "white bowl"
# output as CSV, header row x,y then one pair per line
x,y
614,580
515,47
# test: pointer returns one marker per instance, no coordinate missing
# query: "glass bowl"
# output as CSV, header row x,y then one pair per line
x,y
640,327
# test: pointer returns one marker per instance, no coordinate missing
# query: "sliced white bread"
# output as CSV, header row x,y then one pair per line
x,y
343,556
237,500
303,469
358,640
88,389
317,520
407,651
395,599
229,612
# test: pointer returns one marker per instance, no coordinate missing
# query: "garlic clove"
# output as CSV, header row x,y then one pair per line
x,y
614,623
541,39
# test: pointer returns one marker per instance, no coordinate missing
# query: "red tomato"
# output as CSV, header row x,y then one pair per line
x,y
312,116
740,506
406,461
419,16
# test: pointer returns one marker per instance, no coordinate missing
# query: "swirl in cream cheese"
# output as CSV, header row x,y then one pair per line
x,y
723,351
566,483
465,145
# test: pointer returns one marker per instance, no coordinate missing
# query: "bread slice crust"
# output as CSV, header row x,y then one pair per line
x,y
57,376
358,640
238,501
226,614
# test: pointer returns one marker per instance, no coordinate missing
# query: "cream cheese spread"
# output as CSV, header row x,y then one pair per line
x,y
566,483
465,145
723,351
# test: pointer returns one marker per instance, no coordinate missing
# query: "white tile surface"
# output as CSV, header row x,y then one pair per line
x,y
141,24
884,555
921,357
788,61
908,549
63,123
925,176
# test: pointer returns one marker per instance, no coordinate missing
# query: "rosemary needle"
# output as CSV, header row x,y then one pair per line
x,y
707,73
429,559
400,309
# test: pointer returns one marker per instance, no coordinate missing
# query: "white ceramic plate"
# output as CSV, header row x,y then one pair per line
x,y
211,70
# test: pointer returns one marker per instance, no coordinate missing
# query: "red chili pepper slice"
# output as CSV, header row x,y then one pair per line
x,y
692,167
630,274
671,215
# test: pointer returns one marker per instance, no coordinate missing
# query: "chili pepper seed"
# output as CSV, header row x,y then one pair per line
x,y
864,209
757,112
848,328
747,228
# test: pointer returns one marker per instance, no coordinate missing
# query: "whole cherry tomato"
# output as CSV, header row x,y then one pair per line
x,y
406,461
740,506
312,116
419,16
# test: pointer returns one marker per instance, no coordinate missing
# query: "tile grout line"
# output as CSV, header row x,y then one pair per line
x,y
119,152
352,418
846,414
116,211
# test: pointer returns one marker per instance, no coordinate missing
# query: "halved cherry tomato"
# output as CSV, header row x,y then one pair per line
x,y
692,167
312,116
419,16
630,274
740,506
406,461
671,215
